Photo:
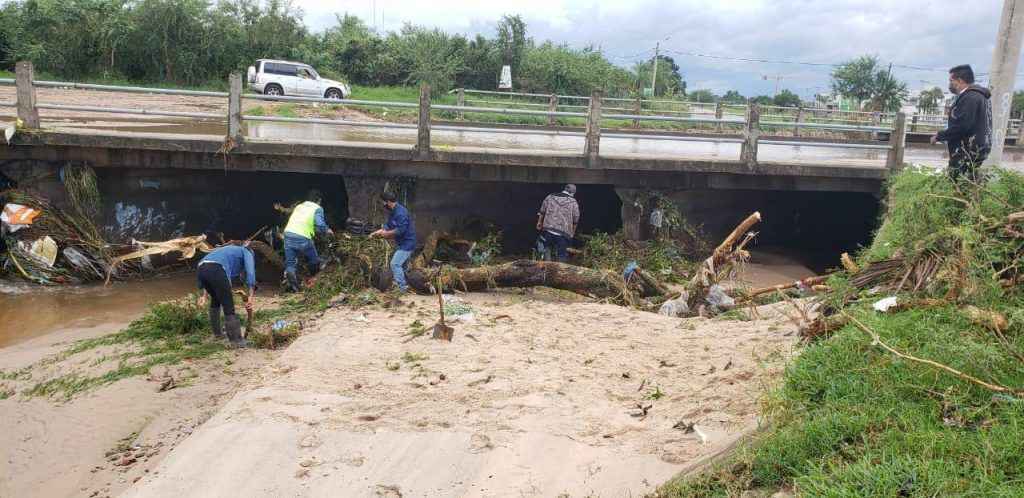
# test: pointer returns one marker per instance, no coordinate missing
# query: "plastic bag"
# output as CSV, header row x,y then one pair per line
x,y
676,307
719,300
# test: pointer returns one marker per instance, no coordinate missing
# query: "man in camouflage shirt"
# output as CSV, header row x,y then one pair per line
x,y
557,220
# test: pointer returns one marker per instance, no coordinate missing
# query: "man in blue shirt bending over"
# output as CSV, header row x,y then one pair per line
x,y
215,273
400,228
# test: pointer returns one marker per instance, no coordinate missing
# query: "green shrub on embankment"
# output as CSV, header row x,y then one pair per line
x,y
851,417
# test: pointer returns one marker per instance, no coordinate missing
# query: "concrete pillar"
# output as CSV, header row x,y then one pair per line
x,y
593,145
235,107
1020,130
799,119
552,107
423,127
26,91
364,198
633,211
751,132
461,102
638,107
718,115
898,141
1003,73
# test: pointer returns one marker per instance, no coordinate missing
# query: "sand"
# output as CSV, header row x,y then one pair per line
x,y
538,396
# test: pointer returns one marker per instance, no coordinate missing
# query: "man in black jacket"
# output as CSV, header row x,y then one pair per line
x,y
968,135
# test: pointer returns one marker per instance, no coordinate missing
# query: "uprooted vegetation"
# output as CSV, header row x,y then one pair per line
x,y
924,399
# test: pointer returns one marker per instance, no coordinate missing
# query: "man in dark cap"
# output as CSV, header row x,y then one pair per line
x,y
556,221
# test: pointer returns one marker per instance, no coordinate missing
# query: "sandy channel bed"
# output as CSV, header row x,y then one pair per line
x,y
538,396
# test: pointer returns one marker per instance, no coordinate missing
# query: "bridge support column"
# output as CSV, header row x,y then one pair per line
x,y
593,144
632,211
898,143
751,133
423,128
364,198
26,90
460,100
235,108
552,107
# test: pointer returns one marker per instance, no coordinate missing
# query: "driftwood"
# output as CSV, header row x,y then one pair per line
x,y
725,254
528,273
809,282
268,254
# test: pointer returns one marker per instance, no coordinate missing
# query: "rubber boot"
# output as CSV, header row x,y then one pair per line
x,y
293,282
233,328
218,332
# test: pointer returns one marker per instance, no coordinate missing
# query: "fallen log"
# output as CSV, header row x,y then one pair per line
x,y
725,254
528,273
809,282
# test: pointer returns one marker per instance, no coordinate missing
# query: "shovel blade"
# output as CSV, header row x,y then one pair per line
x,y
443,332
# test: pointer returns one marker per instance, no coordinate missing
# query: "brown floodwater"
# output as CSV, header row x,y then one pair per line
x,y
28,311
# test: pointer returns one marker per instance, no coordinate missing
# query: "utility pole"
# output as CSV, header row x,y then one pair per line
x,y
1003,73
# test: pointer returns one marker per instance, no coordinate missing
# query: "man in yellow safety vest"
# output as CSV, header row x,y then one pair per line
x,y
307,220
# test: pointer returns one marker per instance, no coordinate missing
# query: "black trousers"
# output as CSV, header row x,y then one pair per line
x,y
214,281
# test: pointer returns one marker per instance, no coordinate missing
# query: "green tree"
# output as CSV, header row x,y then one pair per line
x,y
786,98
669,80
762,100
865,80
705,96
928,101
733,97
511,41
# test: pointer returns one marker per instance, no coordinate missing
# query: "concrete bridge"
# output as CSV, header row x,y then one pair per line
x,y
710,176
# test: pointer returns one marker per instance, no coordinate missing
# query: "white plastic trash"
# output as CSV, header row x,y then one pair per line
x,y
884,305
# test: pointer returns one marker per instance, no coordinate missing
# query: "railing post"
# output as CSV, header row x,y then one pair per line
x,y
593,144
751,132
26,91
638,107
718,115
876,120
461,102
423,127
799,120
552,107
913,123
897,143
1020,131
235,107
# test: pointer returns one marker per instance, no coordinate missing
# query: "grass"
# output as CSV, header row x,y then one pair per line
x,y
852,419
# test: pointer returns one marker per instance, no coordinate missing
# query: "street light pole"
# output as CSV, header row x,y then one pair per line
x,y
1003,74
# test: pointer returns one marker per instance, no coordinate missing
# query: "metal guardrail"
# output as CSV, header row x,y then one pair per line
x,y
751,123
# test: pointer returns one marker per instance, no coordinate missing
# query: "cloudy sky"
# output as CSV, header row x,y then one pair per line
x,y
801,37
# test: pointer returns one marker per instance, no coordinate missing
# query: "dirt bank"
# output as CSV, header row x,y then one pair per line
x,y
537,396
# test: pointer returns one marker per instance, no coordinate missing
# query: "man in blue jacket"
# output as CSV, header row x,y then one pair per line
x,y
400,228
215,273
968,135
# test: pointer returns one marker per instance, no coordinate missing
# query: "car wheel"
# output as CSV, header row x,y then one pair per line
x,y
273,90
334,93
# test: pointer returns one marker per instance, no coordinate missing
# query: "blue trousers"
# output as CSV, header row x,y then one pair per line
x,y
398,268
296,245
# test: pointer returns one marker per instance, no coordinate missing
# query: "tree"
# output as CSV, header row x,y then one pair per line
x,y
928,101
703,96
762,100
511,41
733,97
669,80
786,98
1018,103
865,80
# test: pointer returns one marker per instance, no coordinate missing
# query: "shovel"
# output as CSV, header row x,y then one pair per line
x,y
442,331
248,319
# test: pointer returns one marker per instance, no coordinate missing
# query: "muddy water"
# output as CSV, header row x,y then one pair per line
x,y
31,311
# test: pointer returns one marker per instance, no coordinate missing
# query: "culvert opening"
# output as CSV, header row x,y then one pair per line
x,y
159,205
813,228
475,209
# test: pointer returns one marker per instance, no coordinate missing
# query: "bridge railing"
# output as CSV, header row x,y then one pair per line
x,y
593,114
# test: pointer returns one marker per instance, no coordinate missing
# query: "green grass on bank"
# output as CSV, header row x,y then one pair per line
x,y
852,419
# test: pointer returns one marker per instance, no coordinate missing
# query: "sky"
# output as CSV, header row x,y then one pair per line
x,y
803,39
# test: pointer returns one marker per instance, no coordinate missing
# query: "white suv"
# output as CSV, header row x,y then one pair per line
x,y
271,77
